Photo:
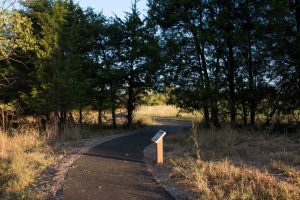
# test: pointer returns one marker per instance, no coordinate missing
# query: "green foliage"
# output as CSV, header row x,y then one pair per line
x,y
154,99
15,34
227,59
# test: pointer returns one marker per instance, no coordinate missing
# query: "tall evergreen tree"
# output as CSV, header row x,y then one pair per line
x,y
137,51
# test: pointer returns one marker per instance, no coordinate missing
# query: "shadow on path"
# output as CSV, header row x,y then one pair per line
x,y
114,158
116,170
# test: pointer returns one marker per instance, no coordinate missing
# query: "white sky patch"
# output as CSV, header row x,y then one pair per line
x,y
112,7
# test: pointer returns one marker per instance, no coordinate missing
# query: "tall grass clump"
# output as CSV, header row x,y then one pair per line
x,y
237,164
213,141
24,154
223,180
29,149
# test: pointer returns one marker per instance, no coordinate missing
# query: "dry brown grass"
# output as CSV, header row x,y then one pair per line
x,y
224,180
23,155
25,152
147,113
236,164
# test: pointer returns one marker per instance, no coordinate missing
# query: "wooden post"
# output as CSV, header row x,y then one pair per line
x,y
160,152
158,140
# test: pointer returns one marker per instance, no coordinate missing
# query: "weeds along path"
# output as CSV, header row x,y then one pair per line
x,y
116,170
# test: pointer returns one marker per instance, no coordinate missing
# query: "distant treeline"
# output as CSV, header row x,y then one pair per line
x,y
236,60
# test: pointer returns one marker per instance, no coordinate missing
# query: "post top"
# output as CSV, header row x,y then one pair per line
x,y
158,136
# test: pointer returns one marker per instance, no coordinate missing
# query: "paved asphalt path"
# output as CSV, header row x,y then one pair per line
x,y
116,170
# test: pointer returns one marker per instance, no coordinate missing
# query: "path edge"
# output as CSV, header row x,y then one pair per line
x,y
52,180
160,173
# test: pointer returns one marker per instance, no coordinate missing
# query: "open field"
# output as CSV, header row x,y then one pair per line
x,y
143,114
146,114
233,164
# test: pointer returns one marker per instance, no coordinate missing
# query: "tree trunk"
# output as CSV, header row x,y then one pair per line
x,y
229,40
215,96
251,86
203,72
80,116
113,116
252,91
113,105
57,123
270,116
206,116
215,115
48,116
297,8
231,75
252,113
62,122
71,118
129,117
245,114
208,93
64,113
99,118
130,105
42,123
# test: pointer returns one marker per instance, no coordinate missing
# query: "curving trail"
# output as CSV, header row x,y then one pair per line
x,y
116,169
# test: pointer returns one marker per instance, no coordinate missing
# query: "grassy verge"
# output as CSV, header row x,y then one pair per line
x,y
236,164
26,152
23,156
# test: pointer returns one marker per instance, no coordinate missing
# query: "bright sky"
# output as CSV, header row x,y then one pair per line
x,y
111,7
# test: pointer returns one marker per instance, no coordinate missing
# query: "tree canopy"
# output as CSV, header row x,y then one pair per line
x,y
231,60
